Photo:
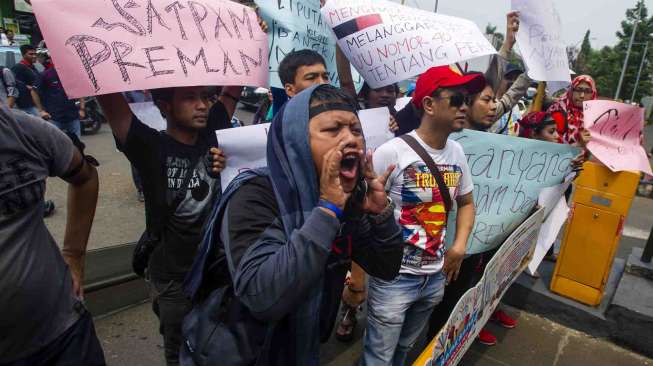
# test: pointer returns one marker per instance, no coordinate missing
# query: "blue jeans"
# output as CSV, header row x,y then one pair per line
x,y
398,311
72,127
31,110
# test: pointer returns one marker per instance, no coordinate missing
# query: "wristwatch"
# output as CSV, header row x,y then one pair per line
x,y
384,215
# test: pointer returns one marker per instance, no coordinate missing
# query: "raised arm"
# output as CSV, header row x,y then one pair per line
x,y
511,97
115,108
344,73
512,27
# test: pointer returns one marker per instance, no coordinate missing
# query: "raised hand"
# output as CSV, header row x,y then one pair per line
x,y
512,27
376,199
330,186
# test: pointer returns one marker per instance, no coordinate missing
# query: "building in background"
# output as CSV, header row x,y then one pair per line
x,y
18,16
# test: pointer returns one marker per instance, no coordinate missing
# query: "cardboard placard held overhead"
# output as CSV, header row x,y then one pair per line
x,y
387,42
540,40
110,46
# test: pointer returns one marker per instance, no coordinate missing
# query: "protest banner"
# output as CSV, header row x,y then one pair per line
x,y
388,42
616,129
508,174
540,40
475,307
296,25
108,46
246,147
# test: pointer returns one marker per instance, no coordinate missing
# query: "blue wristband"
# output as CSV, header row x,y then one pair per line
x,y
330,206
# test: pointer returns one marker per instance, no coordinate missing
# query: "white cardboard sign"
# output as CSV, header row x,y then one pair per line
x,y
540,40
388,42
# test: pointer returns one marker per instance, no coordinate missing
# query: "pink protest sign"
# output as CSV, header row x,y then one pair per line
x,y
616,129
108,46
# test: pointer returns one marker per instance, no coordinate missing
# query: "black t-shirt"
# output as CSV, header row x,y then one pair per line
x,y
154,153
407,120
26,76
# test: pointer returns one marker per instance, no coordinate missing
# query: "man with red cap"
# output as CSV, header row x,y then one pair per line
x,y
431,171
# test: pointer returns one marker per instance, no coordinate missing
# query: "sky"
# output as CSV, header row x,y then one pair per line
x,y
602,17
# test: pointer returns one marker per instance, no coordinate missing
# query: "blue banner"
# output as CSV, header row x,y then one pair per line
x,y
296,25
508,174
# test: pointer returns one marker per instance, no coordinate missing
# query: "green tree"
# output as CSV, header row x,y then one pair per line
x,y
584,55
605,65
496,38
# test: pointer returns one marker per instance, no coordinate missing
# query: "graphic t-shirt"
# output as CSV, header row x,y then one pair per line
x,y
420,208
37,302
151,151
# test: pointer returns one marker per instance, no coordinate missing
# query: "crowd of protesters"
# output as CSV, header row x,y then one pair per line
x,y
264,270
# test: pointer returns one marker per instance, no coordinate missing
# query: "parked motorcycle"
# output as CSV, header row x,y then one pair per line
x,y
94,117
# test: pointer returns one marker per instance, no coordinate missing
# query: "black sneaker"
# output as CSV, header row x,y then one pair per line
x,y
48,208
141,198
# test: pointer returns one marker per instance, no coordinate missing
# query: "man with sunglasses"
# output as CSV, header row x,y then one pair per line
x,y
398,310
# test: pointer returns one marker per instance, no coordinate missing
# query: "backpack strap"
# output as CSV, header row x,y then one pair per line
x,y
195,277
428,160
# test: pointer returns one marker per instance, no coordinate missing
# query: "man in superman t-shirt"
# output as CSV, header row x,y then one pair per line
x,y
399,309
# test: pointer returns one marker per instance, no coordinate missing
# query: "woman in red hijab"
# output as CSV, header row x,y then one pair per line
x,y
582,89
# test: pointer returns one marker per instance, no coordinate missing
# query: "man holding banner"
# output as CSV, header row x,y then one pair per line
x,y
431,172
173,50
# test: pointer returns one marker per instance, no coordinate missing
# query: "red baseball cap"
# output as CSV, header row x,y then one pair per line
x,y
443,77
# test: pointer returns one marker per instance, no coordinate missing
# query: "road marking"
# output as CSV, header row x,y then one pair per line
x,y
633,232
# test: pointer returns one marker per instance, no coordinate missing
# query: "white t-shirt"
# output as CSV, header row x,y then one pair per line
x,y
419,206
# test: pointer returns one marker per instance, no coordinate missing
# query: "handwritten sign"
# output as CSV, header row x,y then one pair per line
x,y
112,46
475,307
388,42
616,129
540,40
297,25
508,174
246,147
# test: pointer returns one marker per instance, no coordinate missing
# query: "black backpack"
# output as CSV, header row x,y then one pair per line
x,y
220,330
